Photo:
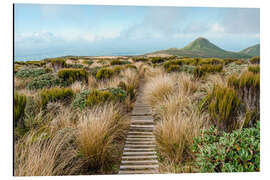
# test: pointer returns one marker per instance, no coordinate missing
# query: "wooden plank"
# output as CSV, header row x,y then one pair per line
x,y
140,145
138,172
140,157
140,162
139,149
138,167
139,153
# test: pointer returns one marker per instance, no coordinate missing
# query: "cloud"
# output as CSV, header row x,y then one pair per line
x,y
241,20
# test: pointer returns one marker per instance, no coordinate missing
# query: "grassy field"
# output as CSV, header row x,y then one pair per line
x,y
71,114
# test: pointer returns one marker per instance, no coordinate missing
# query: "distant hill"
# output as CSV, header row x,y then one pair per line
x,y
252,51
201,47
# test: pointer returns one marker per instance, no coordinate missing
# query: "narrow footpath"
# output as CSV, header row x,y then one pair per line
x,y
139,155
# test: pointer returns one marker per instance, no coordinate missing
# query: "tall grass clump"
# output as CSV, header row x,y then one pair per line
x,y
99,129
223,105
38,156
200,71
255,60
71,75
19,107
56,94
255,69
104,73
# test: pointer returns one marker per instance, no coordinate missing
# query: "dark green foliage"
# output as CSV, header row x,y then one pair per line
x,y
118,94
118,62
255,60
45,81
167,64
75,66
56,94
80,100
238,151
129,88
72,75
173,68
140,59
104,73
255,69
156,60
228,61
117,69
97,97
200,71
240,62
31,72
223,105
19,107
211,61
93,71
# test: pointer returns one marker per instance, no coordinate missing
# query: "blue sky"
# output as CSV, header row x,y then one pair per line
x,y
111,30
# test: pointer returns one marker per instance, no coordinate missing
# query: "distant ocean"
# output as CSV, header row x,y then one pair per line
x,y
40,56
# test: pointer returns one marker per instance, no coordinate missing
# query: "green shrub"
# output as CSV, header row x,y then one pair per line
x,y
173,68
80,100
248,88
118,94
36,63
72,75
140,59
58,63
117,69
223,105
118,62
255,60
19,107
93,71
200,71
187,68
130,89
240,62
211,61
104,73
31,72
229,61
97,97
238,151
167,64
255,69
156,60
56,94
45,81
75,66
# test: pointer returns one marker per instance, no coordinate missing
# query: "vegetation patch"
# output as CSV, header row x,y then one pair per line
x,y
80,100
255,69
200,71
104,73
156,60
72,75
140,59
255,60
46,81
118,62
19,107
238,151
31,72
56,94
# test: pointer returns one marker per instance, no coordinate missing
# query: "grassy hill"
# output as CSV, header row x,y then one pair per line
x,y
201,47
252,51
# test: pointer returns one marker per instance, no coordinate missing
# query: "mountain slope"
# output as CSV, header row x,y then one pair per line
x,y
201,47
252,51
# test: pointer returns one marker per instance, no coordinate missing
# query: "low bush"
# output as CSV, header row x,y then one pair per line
x,y
104,73
58,63
238,151
88,62
117,69
46,81
80,100
229,61
75,66
223,105
130,89
56,94
19,107
173,68
255,69
200,71
255,60
240,62
72,75
140,59
98,97
210,61
156,60
35,63
31,72
118,62
132,66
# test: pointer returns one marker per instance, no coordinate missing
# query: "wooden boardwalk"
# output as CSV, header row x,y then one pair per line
x,y
139,155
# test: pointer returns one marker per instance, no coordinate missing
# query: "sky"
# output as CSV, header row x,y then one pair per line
x,y
55,30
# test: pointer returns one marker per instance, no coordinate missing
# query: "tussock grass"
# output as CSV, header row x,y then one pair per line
x,y
98,128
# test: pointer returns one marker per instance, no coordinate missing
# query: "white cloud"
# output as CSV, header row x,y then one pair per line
x,y
217,28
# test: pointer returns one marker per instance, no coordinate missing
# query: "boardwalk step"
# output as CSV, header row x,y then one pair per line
x,y
140,162
139,149
140,132
142,126
139,172
138,167
140,142
141,136
139,157
140,139
139,153
141,118
140,145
